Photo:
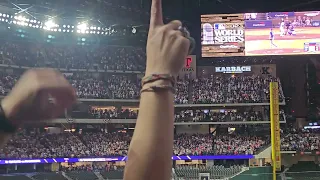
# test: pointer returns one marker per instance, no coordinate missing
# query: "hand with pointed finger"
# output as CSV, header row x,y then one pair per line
x,y
167,48
40,94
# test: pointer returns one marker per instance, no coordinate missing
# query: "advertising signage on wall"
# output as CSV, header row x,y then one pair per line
x,y
253,34
233,69
190,67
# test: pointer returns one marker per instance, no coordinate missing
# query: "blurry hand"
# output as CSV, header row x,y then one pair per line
x,y
40,94
166,47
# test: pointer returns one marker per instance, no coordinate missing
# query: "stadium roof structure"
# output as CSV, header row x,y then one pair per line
x,y
109,12
101,12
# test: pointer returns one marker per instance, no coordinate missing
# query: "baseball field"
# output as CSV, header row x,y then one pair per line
x,y
257,41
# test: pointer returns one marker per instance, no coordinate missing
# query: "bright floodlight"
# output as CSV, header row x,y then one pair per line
x,y
50,24
134,30
82,26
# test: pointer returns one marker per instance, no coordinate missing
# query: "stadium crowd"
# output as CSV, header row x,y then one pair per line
x,y
242,89
231,89
301,140
193,144
214,89
239,144
187,115
72,57
113,114
214,116
109,87
93,144
88,144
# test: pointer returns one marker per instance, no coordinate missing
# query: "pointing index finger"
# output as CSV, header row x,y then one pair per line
x,y
156,18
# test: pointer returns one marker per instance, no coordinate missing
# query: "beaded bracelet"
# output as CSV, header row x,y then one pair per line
x,y
156,77
157,88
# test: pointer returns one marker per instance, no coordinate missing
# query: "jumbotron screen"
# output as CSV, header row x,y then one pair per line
x,y
257,34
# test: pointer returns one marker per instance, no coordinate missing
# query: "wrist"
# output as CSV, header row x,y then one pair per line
x,y
162,85
158,82
149,72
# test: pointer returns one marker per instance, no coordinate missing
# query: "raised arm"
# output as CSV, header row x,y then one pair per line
x,y
151,147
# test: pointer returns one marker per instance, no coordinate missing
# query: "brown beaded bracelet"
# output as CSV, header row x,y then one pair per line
x,y
156,77
157,88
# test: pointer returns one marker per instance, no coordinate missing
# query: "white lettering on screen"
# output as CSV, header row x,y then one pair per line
x,y
258,25
228,46
229,35
233,69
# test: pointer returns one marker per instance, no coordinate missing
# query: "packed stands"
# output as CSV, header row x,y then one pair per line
x,y
231,89
193,144
214,89
239,144
109,87
187,115
72,57
112,114
115,74
182,91
301,140
93,144
217,116
127,87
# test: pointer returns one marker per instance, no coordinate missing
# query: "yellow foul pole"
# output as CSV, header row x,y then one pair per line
x,y
275,128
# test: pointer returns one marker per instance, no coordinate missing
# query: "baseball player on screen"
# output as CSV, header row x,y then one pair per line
x,y
282,28
291,30
271,37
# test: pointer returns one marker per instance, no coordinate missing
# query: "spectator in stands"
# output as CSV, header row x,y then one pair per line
x,y
214,116
98,143
301,140
238,145
193,144
181,116
73,57
113,114
231,89
121,86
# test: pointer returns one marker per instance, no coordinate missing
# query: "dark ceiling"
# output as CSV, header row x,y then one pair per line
x,y
136,11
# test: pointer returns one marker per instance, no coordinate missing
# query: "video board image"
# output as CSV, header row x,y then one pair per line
x,y
282,33
222,35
